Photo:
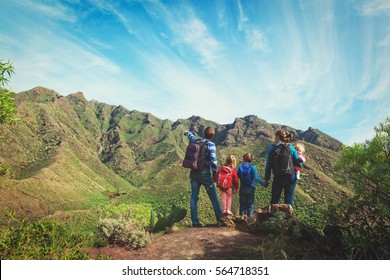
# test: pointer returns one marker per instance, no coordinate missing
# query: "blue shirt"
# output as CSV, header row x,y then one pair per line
x,y
253,176
211,149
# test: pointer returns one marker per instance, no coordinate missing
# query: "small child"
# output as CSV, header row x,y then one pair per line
x,y
248,177
229,188
300,149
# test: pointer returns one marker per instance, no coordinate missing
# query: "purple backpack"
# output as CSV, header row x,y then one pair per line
x,y
195,157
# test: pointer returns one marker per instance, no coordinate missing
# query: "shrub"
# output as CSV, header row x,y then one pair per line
x,y
123,232
138,213
47,240
7,105
281,225
365,216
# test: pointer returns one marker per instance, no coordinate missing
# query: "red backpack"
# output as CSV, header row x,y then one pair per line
x,y
224,177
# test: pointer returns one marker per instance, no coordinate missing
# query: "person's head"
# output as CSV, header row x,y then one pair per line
x,y
248,157
300,148
283,136
209,133
231,160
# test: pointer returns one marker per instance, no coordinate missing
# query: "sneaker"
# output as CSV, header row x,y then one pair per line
x,y
197,225
225,212
228,212
244,217
251,220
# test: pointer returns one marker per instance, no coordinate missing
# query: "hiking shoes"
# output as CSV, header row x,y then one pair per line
x,y
197,225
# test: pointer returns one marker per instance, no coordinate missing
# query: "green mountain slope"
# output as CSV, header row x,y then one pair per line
x,y
71,154
54,159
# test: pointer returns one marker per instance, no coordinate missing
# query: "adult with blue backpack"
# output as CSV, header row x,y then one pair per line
x,y
202,160
281,158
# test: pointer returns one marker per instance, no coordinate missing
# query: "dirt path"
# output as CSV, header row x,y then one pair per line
x,y
205,243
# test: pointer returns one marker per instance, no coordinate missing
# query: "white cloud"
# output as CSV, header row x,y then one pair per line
x,y
188,33
108,7
381,88
242,19
195,35
55,10
385,42
254,36
256,40
374,7
53,60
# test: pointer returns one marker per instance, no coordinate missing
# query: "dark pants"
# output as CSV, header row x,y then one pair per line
x,y
286,184
247,201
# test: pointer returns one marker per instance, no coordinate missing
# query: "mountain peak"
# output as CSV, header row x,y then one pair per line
x,y
319,138
37,94
77,94
78,98
196,119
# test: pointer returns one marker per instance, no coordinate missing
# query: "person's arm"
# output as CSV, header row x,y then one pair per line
x,y
213,156
190,136
236,182
267,173
256,176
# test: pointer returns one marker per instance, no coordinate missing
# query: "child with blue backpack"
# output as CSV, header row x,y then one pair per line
x,y
247,173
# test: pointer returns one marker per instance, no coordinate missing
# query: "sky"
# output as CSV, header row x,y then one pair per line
x,y
310,63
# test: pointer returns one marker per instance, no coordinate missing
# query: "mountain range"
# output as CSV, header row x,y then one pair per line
x,y
67,154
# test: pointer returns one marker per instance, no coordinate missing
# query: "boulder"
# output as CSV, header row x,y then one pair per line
x,y
227,221
263,215
267,212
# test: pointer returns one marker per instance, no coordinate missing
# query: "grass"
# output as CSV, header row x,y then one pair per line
x,y
48,240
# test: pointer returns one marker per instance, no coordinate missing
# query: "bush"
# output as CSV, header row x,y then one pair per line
x,y
7,105
281,225
365,215
138,213
47,240
123,232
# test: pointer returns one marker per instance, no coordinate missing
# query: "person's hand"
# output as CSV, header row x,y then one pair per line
x,y
185,133
266,184
215,177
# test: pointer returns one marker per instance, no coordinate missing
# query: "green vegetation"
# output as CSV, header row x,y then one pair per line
x,y
7,106
365,216
166,221
47,240
121,231
101,171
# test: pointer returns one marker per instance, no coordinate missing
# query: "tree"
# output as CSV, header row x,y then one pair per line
x,y
365,215
7,105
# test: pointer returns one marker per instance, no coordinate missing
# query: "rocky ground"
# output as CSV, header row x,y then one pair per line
x,y
207,243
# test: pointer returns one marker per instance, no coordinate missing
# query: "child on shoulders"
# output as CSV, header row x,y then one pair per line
x,y
300,149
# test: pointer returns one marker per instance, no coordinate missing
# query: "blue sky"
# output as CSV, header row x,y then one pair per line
x,y
324,64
